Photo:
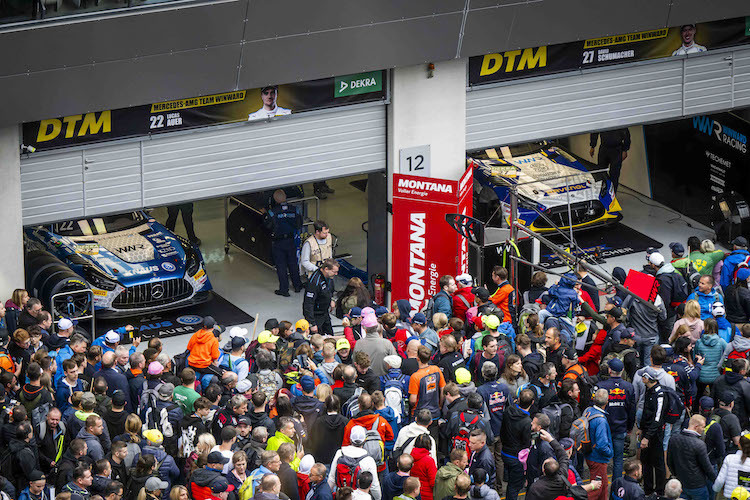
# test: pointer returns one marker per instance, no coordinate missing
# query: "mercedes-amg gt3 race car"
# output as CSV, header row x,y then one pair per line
x,y
546,177
132,263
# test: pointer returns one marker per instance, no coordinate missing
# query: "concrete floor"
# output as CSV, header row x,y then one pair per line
x,y
249,284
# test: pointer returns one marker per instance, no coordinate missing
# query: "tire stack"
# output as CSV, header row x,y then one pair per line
x,y
47,276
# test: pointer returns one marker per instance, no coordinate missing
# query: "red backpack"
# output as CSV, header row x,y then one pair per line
x,y
347,471
738,354
461,440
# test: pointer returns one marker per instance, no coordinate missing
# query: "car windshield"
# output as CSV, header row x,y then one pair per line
x,y
99,225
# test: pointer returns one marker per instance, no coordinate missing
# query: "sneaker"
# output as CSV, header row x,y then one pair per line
x,y
321,194
197,242
283,294
327,189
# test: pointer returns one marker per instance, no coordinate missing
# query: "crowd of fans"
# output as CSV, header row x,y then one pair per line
x,y
477,395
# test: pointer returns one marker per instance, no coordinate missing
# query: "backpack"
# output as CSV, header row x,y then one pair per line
x,y
154,417
267,384
741,265
374,445
246,489
554,412
397,452
37,413
715,419
394,397
680,290
673,405
738,354
604,367
350,409
7,463
286,356
180,361
580,431
461,440
347,471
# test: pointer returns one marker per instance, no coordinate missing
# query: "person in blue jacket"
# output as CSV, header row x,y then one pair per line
x,y
37,488
601,439
620,411
77,345
443,300
706,296
110,340
739,254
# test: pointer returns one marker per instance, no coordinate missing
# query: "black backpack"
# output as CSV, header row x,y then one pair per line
x,y
673,405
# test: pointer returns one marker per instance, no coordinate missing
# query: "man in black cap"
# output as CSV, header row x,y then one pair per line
x,y
485,307
713,434
201,479
37,488
678,251
614,317
620,410
625,351
115,416
738,256
730,423
574,370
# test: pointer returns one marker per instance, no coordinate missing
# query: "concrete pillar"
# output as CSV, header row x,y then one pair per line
x,y
428,111
11,237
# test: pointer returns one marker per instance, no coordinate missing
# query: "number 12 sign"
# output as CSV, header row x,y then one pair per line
x,y
415,161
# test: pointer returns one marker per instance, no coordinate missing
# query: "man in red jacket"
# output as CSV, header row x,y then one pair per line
x,y
366,418
463,299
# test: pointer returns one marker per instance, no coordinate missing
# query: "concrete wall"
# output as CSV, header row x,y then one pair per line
x,y
635,167
11,249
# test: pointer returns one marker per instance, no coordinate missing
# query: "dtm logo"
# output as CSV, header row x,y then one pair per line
x,y
168,267
189,319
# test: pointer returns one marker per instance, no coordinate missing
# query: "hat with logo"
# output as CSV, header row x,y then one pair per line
x,y
570,354
221,485
209,322
677,248
369,321
244,420
393,361
419,319
266,336
462,375
740,241
650,373
465,279
615,299
706,402
154,436
64,324
215,457
567,443
381,310
355,312
629,334
302,325
244,385
481,293
237,331
342,344
615,365
118,399
111,337
656,259
155,368
165,391
271,324
491,321
154,484
717,309
307,383
358,434
269,87
367,310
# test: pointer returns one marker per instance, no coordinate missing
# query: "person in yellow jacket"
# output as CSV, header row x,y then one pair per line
x,y
286,434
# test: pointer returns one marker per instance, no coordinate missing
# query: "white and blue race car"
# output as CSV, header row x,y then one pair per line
x,y
132,263
546,177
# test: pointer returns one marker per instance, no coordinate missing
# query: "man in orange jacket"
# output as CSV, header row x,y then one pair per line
x,y
367,418
204,348
505,296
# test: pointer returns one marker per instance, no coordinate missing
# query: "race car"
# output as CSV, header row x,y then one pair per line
x,y
132,264
546,177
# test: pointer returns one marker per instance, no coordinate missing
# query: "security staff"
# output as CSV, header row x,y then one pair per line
x,y
612,152
318,299
284,221
316,248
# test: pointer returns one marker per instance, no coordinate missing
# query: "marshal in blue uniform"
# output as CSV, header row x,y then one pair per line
x,y
284,221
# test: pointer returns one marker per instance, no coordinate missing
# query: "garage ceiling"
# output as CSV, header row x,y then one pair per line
x,y
130,57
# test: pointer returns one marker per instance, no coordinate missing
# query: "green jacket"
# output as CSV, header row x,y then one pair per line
x,y
277,440
445,481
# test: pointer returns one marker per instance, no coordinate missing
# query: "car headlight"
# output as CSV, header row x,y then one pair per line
x,y
192,262
98,280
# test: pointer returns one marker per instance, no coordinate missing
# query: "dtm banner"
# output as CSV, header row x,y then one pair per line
x,y
425,247
691,161
628,47
241,105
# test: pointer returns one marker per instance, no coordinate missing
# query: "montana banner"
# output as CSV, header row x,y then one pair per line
x,y
425,247
215,109
692,161
608,50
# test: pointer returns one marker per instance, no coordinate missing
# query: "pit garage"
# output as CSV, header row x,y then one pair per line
x,y
114,239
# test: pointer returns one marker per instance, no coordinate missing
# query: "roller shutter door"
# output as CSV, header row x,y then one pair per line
x,y
205,163
634,94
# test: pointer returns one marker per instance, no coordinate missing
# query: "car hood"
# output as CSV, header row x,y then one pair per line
x,y
541,178
134,255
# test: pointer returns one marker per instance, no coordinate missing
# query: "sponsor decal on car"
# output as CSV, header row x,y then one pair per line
x,y
189,319
168,266
87,248
201,273
99,293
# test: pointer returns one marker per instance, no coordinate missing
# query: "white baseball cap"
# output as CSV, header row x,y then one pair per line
x,y
64,324
236,331
112,337
656,259
465,279
244,385
358,434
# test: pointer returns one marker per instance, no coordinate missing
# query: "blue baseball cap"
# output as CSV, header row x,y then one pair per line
x,y
419,319
616,300
307,383
355,312
677,248
380,310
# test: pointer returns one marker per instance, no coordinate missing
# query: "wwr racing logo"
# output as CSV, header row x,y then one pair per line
x,y
723,133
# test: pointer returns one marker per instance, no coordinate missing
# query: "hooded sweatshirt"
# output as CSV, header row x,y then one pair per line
x,y
445,480
203,347
712,348
694,325
664,378
425,470
326,434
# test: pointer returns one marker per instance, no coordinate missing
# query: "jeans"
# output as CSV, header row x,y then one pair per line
x,y
644,350
710,484
515,475
618,446
696,493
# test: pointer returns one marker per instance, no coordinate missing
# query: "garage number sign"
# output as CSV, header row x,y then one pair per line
x,y
361,83
415,161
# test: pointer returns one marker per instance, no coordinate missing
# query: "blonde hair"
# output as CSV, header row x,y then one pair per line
x,y
323,391
692,309
17,296
133,426
206,442
707,246
439,320
176,491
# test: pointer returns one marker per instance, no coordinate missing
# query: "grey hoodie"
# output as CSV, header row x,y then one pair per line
x,y
665,379
738,344
485,493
